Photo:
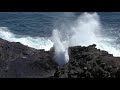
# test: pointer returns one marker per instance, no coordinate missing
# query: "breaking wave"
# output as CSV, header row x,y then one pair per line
x,y
34,42
84,31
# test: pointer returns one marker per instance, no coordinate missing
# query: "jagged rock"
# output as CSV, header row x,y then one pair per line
x,y
20,61
90,62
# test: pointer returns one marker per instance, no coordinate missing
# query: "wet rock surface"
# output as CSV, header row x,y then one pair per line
x,y
89,62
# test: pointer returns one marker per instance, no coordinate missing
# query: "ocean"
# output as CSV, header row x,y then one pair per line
x,y
43,30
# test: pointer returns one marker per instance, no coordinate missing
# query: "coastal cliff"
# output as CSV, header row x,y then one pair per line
x,y
20,61
89,62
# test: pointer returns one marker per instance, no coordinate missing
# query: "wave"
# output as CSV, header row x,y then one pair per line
x,y
85,31
34,42
89,30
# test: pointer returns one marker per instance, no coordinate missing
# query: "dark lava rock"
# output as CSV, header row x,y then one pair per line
x,y
20,61
89,62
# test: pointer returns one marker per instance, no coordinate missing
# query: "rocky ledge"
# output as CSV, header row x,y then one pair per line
x,y
89,62
20,61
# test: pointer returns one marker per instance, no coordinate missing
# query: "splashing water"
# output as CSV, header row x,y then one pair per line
x,y
35,42
85,31
59,48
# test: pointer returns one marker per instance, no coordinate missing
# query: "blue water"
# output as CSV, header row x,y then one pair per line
x,y
32,23
41,24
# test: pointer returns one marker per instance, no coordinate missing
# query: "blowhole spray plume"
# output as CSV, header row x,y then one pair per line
x,y
59,48
85,31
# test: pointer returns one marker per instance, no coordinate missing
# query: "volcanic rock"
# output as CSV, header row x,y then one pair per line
x,y
20,61
89,62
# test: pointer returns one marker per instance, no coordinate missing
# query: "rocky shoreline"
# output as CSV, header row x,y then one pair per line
x,y
89,62
20,61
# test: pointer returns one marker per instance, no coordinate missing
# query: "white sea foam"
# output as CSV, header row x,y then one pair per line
x,y
35,42
85,31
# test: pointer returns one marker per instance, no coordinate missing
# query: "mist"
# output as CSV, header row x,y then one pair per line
x,y
83,31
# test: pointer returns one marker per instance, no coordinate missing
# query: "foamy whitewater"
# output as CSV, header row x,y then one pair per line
x,y
35,42
84,31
